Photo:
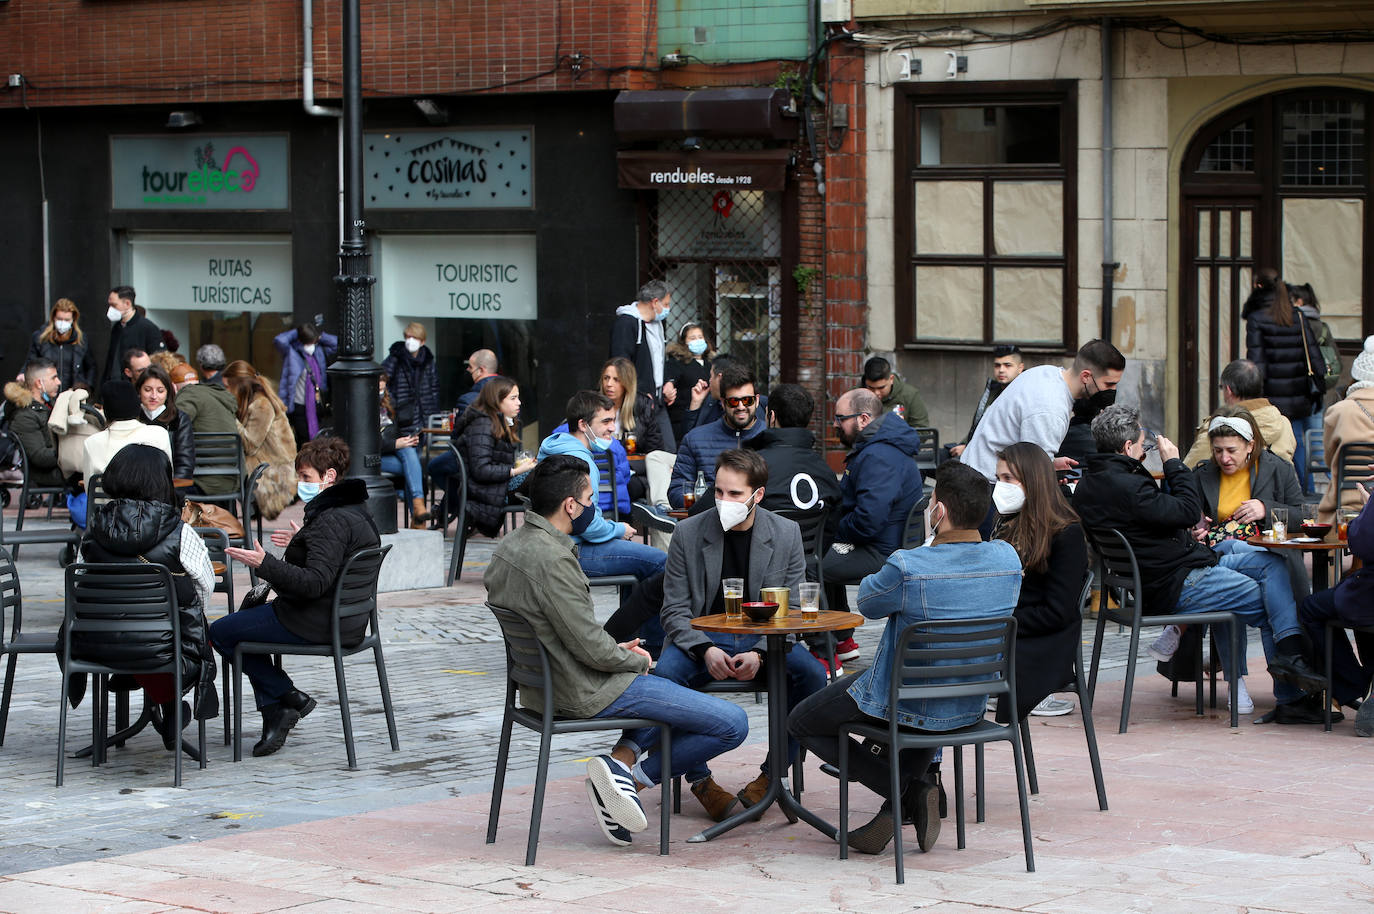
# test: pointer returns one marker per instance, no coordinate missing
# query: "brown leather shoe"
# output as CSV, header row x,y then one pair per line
x,y
754,791
717,801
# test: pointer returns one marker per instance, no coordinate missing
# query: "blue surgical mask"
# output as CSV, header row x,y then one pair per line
x,y
696,347
307,490
581,522
663,315
602,444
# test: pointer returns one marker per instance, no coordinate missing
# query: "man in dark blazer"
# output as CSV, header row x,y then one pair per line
x,y
735,539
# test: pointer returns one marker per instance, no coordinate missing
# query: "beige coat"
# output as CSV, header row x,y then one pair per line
x,y
267,439
102,446
1345,421
1274,426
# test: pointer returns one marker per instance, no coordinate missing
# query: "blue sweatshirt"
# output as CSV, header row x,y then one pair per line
x,y
600,530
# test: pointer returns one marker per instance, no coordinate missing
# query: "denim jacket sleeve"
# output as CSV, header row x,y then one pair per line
x,y
880,594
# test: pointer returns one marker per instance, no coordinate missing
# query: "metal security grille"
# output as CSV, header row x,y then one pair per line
x,y
720,251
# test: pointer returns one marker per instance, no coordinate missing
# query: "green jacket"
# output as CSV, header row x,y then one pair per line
x,y
909,399
212,410
29,425
535,573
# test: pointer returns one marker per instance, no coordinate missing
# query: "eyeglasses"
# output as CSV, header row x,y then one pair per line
x,y
736,402
840,417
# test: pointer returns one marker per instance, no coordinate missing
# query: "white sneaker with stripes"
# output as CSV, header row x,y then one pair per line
x,y
613,830
616,787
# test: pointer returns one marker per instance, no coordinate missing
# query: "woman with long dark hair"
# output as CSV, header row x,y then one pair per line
x,y
1283,343
157,398
488,436
1035,517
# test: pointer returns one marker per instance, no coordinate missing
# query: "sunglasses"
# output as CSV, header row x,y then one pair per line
x,y
840,417
736,402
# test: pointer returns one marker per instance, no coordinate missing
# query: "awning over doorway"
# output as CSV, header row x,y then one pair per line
x,y
763,169
657,114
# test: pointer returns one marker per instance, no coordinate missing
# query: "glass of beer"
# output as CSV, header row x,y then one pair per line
x,y
734,598
1280,524
810,598
630,441
1346,517
689,498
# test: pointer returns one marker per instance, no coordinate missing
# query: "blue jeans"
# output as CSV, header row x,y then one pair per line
x,y
405,462
1313,421
703,726
256,624
1253,583
805,676
619,556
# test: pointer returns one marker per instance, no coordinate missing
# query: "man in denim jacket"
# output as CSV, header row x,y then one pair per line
x,y
958,576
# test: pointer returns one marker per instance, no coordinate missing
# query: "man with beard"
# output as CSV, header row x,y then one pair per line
x,y
1007,366
1037,406
699,448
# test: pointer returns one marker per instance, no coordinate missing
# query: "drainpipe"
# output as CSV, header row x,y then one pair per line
x,y
1109,264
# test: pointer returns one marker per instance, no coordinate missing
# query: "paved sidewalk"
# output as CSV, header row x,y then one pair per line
x,y
1202,817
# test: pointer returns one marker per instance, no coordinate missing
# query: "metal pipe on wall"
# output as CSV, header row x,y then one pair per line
x,y
1108,204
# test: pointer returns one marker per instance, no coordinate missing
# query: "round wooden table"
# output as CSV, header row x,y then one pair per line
x,y
776,631
1324,552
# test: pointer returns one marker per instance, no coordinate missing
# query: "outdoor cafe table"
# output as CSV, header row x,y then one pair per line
x,y
776,631
1324,551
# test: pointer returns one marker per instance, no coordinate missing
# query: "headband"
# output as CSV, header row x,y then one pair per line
x,y
1239,426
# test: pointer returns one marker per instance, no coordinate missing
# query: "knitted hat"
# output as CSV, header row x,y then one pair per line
x,y
183,373
1363,369
119,400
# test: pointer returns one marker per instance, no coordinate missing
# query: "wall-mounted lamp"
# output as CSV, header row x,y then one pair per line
x,y
183,120
435,113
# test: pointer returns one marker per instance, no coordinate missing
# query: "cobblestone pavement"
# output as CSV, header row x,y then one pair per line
x,y
445,664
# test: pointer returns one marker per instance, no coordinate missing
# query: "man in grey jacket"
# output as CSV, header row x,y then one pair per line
x,y
535,573
735,539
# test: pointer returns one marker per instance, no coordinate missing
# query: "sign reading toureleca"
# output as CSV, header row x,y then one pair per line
x,y
200,171
484,276
450,169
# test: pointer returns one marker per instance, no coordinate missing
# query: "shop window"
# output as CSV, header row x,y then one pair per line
x,y
985,182
1323,142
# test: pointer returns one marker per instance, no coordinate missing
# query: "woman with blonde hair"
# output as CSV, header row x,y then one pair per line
x,y
414,379
267,437
61,342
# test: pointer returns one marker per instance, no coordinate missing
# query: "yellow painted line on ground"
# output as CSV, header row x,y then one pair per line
x,y
236,815
465,672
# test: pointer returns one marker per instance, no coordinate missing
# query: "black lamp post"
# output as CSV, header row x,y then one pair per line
x,y
354,375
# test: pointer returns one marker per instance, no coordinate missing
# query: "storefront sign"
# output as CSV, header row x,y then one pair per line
x,y
451,169
762,170
200,172
196,272
485,276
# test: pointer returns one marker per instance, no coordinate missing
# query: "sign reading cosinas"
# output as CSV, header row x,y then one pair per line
x,y
200,171
451,169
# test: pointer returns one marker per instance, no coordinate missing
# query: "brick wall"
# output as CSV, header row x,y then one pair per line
x,y
84,52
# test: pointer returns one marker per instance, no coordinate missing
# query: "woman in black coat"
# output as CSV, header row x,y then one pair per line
x,y
61,342
158,398
337,524
141,521
488,437
688,364
1037,520
1283,343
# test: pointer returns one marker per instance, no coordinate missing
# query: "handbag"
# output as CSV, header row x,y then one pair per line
x,y
256,597
1316,384
200,514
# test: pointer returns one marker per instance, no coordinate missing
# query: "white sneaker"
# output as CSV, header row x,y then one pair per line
x,y
1052,707
1166,645
1244,705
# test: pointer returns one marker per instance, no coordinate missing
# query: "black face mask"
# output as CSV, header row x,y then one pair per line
x,y
1087,408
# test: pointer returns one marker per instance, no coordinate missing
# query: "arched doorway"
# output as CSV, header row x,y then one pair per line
x,y
1282,180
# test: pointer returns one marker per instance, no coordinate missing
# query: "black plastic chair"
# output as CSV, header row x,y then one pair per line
x,y
527,666
928,457
1118,570
949,658
1352,466
216,541
1079,686
605,468
1314,451
914,532
355,594
221,454
28,488
250,507
13,639
103,602
458,491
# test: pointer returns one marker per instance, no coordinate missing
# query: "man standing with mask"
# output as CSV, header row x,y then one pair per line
x,y
1037,406
735,539
637,335
605,547
129,329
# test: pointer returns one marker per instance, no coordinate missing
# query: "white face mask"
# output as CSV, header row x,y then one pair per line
x,y
734,513
155,413
412,344
309,348
113,314
62,326
931,524
1008,497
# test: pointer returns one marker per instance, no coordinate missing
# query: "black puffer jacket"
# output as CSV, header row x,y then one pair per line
x,y
1117,492
337,525
413,384
183,435
127,530
488,461
1278,351
73,359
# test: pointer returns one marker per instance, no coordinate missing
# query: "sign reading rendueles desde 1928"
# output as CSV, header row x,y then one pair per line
x,y
483,276
449,169
200,171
